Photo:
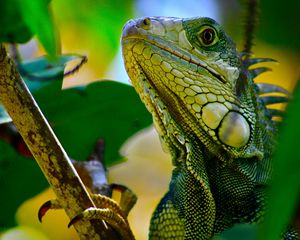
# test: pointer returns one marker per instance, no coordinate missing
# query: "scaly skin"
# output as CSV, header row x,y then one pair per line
x,y
208,113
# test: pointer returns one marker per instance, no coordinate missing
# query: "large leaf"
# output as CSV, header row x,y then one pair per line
x,y
41,69
21,19
285,187
20,179
239,231
13,28
80,116
36,14
94,27
107,110
279,23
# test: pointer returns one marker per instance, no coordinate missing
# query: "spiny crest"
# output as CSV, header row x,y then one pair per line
x,y
268,93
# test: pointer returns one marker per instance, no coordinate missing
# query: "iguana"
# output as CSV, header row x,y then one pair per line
x,y
211,118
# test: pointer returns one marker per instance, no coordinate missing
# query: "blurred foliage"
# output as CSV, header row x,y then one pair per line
x,y
279,23
106,109
37,16
284,194
38,72
12,23
20,179
241,231
24,233
21,19
285,186
92,28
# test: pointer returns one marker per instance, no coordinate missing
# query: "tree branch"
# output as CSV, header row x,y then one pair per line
x,y
47,150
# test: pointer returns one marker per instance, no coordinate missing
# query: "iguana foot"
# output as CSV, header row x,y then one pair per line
x,y
115,220
110,211
113,213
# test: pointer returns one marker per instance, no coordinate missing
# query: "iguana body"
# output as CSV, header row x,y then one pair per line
x,y
208,113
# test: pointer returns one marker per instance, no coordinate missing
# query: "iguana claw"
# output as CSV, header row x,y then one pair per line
x,y
51,204
43,209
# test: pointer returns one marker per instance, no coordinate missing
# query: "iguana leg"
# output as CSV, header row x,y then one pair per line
x,y
174,217
165,222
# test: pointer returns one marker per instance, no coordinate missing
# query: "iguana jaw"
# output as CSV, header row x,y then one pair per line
x,y
145,60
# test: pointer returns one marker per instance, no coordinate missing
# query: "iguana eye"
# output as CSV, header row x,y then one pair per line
x,y
207,36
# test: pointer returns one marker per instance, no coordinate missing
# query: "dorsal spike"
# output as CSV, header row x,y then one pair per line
x,y
273,112
251,61
271,88
274,99
257,71
244,55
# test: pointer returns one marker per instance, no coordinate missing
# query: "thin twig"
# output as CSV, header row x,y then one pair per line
x,y
250,24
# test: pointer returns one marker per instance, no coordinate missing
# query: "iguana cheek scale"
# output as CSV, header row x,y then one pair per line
x,y
208,113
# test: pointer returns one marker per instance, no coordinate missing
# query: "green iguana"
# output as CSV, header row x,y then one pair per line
x,y
210,116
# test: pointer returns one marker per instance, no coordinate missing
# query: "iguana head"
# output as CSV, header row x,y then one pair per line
x,y
186,71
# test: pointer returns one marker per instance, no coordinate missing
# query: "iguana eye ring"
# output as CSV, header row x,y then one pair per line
x,y
207,36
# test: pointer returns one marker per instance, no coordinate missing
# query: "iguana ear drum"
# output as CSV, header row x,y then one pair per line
x,y
234,130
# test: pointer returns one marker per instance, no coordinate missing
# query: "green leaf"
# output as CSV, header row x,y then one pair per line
x,y
278,23
20,179
239,231
44,69
37,16
13,28
79,116
285,185
39,71
97,24
21,19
